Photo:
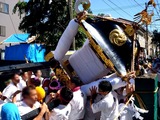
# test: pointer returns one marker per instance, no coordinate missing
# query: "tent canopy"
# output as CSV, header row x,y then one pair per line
x,y
17,38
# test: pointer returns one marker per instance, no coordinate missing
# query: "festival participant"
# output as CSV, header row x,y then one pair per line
x,y
24,79
51,86
30,103
1,96
89,115
1,103
108,105
30,75
7,82
38,74
10,112
79,100
62,111
12,88
35,81
130,110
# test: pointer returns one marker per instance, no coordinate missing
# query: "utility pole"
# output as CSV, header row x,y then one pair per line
x,y
146,45
70,4
147,39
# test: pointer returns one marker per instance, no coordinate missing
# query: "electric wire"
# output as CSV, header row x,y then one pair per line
x,y
112,8
158,4
120,8
138,4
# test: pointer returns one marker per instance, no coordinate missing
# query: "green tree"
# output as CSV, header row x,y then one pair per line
x,y
156,40
46,18
101,14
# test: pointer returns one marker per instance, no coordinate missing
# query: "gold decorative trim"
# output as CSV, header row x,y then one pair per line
x,y
49,56
129,30
62,75
67,66
117,37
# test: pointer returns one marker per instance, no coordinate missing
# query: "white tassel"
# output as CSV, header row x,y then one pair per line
x,y
66,40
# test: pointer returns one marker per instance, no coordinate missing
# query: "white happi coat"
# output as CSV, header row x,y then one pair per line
x,y
77,105
61,112
108,107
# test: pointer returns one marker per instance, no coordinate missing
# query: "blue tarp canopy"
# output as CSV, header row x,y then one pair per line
x,y
17,38
33,52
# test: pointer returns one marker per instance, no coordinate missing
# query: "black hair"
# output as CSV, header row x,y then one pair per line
x,y
35,71
105,86
14,73
76,81
26,90
66,95
35,81
145,66
23,72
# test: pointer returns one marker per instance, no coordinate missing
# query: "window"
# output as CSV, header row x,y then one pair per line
x,y
2,31
4,8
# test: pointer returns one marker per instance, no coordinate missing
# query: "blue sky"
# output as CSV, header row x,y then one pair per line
x,y
124,9
114,7
117,7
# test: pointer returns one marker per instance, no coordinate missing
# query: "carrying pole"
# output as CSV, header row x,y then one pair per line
x,y
133,53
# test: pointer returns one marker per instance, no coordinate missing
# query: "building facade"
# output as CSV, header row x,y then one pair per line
x,y
145,39
9,22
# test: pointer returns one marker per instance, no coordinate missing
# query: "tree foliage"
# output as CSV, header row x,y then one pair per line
x,y
156,38
101,14
46,18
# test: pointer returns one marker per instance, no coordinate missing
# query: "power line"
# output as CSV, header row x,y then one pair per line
x,y
157,13
108,9
156,24
156,10
158,4
120,8
112,8
129,3
138,4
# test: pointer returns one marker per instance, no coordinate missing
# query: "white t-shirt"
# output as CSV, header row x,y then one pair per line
x,y
89,115
24,108
61,112
23,83
108,107
77,105
10,90
41,79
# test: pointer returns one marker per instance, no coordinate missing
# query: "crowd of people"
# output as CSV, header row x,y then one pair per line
x,y
147,66
20,99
